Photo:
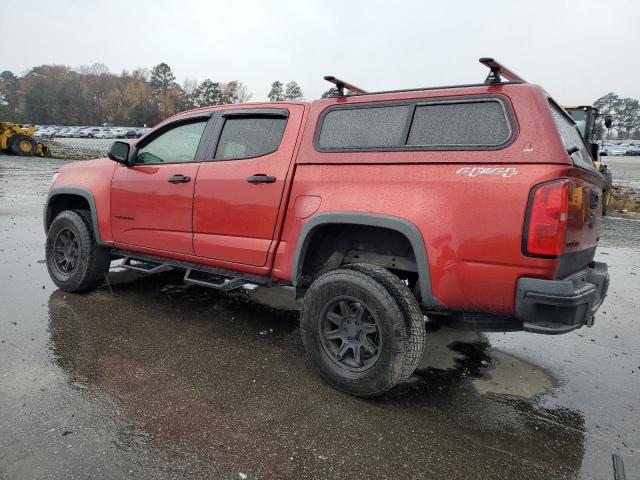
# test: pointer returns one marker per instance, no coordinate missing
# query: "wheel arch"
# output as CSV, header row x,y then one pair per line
x,y
71,198
404,227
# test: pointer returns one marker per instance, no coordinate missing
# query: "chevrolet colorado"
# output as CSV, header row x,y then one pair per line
x,y
477,205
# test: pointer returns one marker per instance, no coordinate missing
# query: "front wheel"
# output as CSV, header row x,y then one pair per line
x,y
23,145
363,329
74,260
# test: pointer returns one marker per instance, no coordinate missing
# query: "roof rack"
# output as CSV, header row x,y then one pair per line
x,y
497,71
341,85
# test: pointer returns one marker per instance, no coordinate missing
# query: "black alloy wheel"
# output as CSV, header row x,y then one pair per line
x,y
66,251
350,334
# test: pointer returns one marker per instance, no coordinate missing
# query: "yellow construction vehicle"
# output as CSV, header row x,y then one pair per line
x,y
18,140
585,117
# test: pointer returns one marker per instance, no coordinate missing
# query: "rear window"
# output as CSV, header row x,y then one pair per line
x,y
442,125
482,124
367,127
248,137
571,138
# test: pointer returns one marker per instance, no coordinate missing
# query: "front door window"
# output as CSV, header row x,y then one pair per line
x,y
178,145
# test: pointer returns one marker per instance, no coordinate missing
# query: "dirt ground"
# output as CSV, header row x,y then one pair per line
x,y
147,379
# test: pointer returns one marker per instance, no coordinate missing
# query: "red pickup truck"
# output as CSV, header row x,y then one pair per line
x,y
476,205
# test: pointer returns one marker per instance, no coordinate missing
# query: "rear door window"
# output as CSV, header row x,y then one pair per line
x,y
571,138
249,137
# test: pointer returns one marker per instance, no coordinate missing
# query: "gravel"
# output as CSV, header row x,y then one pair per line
x,y
72,152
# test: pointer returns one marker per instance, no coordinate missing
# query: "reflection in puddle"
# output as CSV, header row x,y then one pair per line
x,y
511,376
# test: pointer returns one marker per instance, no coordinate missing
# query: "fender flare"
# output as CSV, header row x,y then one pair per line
x,y
404,227
78,192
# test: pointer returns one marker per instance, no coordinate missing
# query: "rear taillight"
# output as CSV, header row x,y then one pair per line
x,y
547,216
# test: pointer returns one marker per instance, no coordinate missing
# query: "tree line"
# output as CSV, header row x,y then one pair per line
x,y
91,95
625,115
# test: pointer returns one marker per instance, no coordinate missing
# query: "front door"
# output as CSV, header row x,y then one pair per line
x,y
152,198
239,190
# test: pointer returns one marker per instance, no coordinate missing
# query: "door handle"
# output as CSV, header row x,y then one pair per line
x,y
261,178
179,179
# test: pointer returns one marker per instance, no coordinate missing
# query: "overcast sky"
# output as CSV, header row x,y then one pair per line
x,y
577,50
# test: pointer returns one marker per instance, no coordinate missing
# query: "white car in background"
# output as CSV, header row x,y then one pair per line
x,y
616,151
47,132
119,132
104,133
64,132
84,133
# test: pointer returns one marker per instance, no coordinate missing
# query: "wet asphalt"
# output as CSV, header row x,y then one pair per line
x,y
144,378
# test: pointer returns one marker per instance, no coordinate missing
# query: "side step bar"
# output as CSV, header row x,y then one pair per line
x,y
216,281
143,266
195,274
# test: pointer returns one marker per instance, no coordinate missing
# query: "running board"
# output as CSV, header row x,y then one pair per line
x,y
195,274
144,266
198,277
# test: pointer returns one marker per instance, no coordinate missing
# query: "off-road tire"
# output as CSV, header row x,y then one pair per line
x,y
410,309
23,140
401,322
92,259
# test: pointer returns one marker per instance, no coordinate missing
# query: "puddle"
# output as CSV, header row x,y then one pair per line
x,y
508,375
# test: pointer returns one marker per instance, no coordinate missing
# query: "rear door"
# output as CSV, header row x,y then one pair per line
x,y
152,198
239,189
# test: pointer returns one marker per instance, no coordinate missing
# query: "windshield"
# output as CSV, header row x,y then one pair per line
x,y
580,117
571,138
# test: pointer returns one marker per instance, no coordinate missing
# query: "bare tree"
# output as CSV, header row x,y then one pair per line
x,y
234,92
141,73
190,91
96,69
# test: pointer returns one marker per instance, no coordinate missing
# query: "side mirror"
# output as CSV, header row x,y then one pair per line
x,y
608,121
119,152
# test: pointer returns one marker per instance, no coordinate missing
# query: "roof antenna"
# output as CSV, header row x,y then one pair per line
x,y
341,85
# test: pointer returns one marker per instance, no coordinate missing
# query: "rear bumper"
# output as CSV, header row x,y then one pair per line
x,y
559,306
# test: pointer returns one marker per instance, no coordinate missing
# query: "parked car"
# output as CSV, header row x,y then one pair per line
x,y
104,133
374,207
633,151
131,134
617,151
84,133
119,132
46,132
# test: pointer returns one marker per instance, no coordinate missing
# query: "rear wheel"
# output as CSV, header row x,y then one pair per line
x,y
363,329
23,145
74,260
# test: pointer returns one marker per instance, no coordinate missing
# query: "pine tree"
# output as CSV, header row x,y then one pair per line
x,y
162,79
208,93
9,93
276,94
329,93
293,91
